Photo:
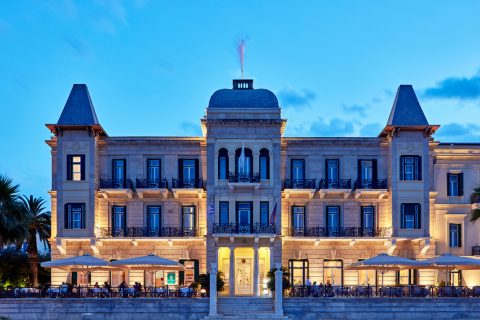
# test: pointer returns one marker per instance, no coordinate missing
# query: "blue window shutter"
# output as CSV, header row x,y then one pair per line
x,y
66,217
69,167
402,216
459,235
83,216
449,191
418,168
402,168
460,184
82,159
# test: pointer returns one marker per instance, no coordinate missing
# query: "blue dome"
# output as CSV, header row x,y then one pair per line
x,y
243,97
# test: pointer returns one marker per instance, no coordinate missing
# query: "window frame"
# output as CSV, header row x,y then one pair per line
x,y
119,182
416,167
458,235
223,155
69,215
305,270
149,214
149,180
71,164
292,167
459,187
298,214
362,216
194,214
264,172
123,228
226,205
417,216
332,230
262,213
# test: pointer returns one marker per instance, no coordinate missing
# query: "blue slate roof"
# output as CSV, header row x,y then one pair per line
x,y
406,110
243,96
78,110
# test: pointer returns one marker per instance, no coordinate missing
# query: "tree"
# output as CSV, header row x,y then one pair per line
x,y
12,221
38,226
204,280
271,279
475,198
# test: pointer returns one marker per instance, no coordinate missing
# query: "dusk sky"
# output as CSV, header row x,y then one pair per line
x,y
151,66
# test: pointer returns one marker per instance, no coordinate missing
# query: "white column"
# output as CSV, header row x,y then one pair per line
x,y
255,271
278,290
213,290
231,280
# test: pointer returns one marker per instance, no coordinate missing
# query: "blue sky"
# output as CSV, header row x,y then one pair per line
x,y
151,66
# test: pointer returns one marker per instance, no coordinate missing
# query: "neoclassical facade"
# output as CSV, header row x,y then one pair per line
x,y
248,198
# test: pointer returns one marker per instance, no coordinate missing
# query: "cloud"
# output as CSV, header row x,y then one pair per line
x,y
333,128
455,88
371,129
296,99
79,46
457,132
191,128
356,108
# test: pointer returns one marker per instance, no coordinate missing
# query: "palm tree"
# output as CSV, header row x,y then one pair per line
x,y
475,198
39,227
12,221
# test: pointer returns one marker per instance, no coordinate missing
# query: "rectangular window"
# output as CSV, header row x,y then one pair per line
x,y
410,216
368,217
264,174
454,184
224,212
333,272
75,216
76,167
119,219
264,214
410,168
333,220
119,172
298,270
298,170
298,217
153,217
189,172
244,215
455,232
332,169
188,217
153,172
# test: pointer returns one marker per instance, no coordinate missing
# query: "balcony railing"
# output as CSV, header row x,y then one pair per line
x,y
187,184
371,184
476,250
133,232
336,184
115,183
243,178
151,184
299,184
234,228
355,232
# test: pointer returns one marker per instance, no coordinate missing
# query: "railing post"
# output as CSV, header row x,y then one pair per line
x,y
279,290
213,290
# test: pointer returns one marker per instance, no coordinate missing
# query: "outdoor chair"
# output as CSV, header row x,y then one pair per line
x,y
476,291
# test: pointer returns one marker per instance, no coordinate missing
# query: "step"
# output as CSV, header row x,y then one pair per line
x,y
250,316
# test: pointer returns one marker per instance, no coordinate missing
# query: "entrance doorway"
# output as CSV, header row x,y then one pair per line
x,y
243,271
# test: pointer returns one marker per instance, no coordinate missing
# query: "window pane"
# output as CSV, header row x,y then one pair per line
x,y
189,217
332,169
224,206
223,167
189,171
298,169
153,170
264,213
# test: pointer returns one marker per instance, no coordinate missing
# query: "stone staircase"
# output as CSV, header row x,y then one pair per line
x,y
245,308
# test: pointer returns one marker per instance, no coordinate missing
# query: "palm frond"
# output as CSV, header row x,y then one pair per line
x,y
475,215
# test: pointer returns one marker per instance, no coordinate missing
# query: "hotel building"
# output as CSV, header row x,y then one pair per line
x,y
244,196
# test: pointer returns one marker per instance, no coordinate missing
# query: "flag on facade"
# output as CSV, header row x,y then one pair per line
x,y
211,207
273,216
241,161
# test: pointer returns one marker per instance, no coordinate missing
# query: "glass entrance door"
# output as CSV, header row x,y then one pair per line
x,y
243,276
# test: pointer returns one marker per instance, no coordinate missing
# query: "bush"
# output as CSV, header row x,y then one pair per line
x,y
204,281
15,269
271,279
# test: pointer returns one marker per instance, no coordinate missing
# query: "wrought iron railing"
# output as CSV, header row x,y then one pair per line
x,y
371,184
299,184
133,232
476,250
356,232
115,183
151,184
234,228
187,184
243,178
336,184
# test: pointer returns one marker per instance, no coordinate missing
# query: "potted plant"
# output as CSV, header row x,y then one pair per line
x,y
271,279
204,281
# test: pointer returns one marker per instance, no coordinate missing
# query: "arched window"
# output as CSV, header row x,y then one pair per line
x,y
264,164
244,164
223,164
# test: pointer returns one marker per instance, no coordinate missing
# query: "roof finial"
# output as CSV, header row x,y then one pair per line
x,y
241,54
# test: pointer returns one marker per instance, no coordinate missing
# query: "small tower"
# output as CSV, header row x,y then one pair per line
x,y
409,134
74,173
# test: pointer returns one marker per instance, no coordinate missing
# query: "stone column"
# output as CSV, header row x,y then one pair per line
x,y
213,290
231,279
255,271
279,290
256,166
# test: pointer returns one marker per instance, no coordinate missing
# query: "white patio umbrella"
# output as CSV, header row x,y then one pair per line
x,y
384,263
150,262
448,262
85,263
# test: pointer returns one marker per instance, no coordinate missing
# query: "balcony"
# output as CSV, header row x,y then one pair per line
x,y
188,188
299,186
152,188
367,188
476,250
335,186
236,180
341,232
115,183
233,228
144,232
118,187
